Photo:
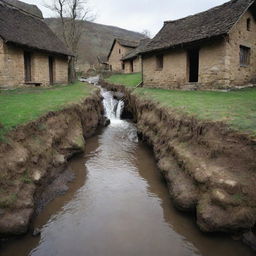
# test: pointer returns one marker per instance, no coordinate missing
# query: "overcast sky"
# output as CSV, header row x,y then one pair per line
x,y
138,15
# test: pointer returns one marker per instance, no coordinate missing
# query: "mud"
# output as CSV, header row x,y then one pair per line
x,y
36,154
209,168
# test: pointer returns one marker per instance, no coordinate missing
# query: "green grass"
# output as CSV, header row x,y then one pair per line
x,y
129,80
235,108
20,106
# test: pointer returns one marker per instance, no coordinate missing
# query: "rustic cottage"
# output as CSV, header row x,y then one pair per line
x,y
132,61
212,49
119,49
30,53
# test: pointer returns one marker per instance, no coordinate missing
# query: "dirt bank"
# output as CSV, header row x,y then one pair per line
x,y
210,169
36,154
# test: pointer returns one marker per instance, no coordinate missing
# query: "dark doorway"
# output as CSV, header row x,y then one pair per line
x,y
51,70
27,66
131,65
193,61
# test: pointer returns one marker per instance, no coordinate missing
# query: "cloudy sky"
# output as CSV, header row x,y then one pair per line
x,y
138,15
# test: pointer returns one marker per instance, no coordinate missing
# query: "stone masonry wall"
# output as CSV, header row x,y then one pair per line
x,y
240,36
12,67
172,75
136,65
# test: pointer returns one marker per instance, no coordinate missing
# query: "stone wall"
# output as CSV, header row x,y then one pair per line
x,y
118,52
172,75
12,67
240,36
136,65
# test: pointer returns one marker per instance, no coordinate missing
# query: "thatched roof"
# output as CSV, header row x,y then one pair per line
x,y
134,53
213,23
25,30
125,43
28,8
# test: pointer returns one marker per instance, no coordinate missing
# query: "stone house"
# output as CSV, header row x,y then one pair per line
x,y
132,61
210,50
30,53
119,49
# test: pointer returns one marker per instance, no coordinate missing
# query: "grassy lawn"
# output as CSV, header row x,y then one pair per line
x,y
236,108
20,106
129,80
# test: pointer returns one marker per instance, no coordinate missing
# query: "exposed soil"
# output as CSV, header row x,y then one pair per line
x,y
36,155
214,170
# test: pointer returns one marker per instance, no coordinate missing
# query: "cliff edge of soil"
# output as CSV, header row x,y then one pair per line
x,y
36,154
210,169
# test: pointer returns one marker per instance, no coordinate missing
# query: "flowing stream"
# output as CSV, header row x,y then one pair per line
x,y
118,205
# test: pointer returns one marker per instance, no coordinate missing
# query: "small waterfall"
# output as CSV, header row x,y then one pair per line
x,y
113,107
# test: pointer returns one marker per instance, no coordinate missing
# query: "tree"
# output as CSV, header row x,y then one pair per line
x,y
72,14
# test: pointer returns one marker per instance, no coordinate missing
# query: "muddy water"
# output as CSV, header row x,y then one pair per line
x,y
118,205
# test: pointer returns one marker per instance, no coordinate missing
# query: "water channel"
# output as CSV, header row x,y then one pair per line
x,y
118,204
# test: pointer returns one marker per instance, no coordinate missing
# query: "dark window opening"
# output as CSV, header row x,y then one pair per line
x,y
123,66
119,51
159,62
51,70
27,66
245,53
193,62
248,24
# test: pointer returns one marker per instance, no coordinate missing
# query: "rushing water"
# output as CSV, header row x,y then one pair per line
x,y
118,205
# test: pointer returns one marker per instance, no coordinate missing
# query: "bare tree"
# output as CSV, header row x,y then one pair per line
x,y
72,14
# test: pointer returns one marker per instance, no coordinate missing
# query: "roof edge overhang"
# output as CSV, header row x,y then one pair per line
x,y
195,43
38,49
239,18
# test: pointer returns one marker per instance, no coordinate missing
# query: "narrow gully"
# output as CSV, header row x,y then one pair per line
x,y
118,204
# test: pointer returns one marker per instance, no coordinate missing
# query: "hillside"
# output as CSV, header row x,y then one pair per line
x,y
96,40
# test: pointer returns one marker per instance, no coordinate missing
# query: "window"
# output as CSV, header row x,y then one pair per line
x,y
245,53
159,62
248,24
119,51
123,66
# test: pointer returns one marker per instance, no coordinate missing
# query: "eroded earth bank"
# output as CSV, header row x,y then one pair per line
x,y
209,168
34,155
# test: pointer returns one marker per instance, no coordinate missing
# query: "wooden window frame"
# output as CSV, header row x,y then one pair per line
x,y
245,56
159,62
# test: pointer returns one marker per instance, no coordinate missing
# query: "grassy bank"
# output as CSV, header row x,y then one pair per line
x,y
236,108
129,80
20,106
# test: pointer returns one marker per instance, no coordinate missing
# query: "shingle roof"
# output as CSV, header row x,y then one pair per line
x,y
102,59
215,22
125,43
134,53
28,31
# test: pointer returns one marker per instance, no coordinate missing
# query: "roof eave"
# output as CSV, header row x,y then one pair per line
x,y
39,49
182,45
